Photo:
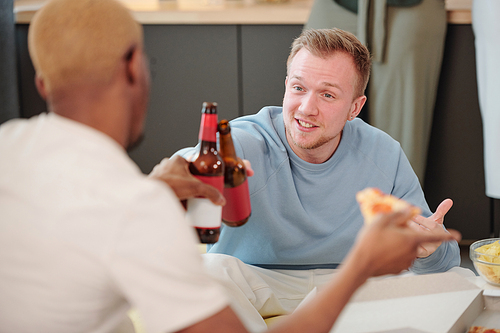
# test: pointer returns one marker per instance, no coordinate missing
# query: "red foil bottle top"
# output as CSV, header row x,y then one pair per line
x,y
208,128
209,107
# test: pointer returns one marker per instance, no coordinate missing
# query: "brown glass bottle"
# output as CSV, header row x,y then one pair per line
x,y
208,167
237,210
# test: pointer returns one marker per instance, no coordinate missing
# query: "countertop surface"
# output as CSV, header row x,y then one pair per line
x,y
199,11
227,11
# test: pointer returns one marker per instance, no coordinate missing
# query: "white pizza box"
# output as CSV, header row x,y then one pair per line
x,y
490,317
444,302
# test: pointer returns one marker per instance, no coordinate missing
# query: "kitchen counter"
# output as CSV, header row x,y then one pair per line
x,y
227,11
199,11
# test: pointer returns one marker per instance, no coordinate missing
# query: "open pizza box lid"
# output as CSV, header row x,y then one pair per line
x,y
444,302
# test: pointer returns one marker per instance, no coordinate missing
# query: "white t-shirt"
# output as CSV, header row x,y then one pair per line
x,y
84,235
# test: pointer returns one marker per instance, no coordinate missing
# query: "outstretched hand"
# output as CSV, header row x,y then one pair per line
x,y
175,172
436,220
389,245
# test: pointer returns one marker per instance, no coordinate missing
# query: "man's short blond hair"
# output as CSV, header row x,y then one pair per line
x,y
81,41
326,42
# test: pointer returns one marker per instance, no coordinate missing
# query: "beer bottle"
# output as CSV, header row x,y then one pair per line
x,y
208,167
237,210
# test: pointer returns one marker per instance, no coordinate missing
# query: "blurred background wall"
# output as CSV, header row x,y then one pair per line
x,y
9,107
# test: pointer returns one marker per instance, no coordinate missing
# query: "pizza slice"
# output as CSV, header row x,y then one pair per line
x,y
481,329
373,201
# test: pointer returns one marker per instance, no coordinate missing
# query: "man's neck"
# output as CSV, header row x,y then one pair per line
x,y
101,109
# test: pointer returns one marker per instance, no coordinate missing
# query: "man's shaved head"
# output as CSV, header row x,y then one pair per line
x,y
81,41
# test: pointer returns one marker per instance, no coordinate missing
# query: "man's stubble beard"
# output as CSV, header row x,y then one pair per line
x,y
320,142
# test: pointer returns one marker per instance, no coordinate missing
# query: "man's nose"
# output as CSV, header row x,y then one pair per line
x,y
309,105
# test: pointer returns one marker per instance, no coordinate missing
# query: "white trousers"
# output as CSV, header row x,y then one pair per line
x,y
486,28
259,293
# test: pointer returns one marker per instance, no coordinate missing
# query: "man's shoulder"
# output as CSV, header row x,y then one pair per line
x,y
264,120
360,127
261,134
265,126
373,146
364,135
15,128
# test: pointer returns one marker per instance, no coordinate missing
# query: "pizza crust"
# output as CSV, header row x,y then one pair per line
x,y
373,201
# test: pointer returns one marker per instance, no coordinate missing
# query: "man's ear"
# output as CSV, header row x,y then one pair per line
x,y
356,106
133,63
40,86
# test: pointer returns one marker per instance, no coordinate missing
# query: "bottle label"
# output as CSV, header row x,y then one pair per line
x,y
208,128
237,205
215,181
202,213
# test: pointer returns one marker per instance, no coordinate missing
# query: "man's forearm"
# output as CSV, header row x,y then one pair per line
x,y
322,311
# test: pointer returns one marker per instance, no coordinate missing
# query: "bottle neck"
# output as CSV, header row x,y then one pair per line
x,y
208,128
206,146
227,146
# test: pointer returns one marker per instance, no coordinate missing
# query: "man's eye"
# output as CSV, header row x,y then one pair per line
x,y
328,95
298,88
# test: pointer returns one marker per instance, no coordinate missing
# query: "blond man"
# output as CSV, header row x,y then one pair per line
x,y
311,156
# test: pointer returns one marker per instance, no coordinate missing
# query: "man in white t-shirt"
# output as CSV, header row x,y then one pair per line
x,y
84,235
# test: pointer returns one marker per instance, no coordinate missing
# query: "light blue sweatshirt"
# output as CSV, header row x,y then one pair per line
x,y
305,215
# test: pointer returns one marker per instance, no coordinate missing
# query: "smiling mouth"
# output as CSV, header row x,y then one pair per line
x,y
304,124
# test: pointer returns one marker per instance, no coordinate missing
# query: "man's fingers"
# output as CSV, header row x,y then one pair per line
x,y
209,192
438,235
399,218
455,234
169,166
248,168
437,218
426,223
442,209
176,162
417,226
175,173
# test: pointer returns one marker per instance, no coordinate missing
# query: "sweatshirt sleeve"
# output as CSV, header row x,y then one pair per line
x,y
444,258
408,188
186,152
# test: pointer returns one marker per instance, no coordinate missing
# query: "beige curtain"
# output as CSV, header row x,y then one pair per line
x,y
407,44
